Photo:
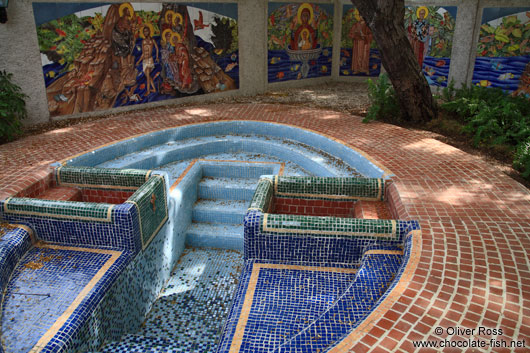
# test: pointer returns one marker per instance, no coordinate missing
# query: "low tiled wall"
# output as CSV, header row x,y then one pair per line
x,y
322,240
128,226
14,242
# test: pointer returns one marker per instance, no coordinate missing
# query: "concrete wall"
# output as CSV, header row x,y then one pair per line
x,y
20,55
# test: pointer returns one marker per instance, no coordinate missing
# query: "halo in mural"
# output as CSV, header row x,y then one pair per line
x,y
301,9
180,19
172,13
166,31
128,6
178,39
151,30
420,9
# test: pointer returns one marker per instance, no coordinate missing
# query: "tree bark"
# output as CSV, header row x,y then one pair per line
x,y
386,19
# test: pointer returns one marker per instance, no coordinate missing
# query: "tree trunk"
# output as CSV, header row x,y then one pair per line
x,y
386,20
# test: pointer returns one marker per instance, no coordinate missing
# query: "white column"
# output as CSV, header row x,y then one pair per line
x,y
337,30
252,31
465,39
20,55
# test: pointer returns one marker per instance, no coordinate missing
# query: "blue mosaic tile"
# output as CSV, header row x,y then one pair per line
x,y
44,284
14,242
192,307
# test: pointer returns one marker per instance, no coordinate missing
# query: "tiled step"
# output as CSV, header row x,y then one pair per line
x,y
61,193
220,211
211,235
227,188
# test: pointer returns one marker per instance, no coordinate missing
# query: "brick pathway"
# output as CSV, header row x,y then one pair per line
x,y
473,271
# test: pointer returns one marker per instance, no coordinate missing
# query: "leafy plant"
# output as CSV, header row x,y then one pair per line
x,y
522,158
494,119
12,107
384,102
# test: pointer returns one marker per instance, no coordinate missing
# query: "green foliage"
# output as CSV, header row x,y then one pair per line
x,y
522,159
385,105
12,107
282,23
443,29
493,118
510,38
63,39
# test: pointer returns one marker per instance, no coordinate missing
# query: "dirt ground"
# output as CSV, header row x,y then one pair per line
x,y
350,98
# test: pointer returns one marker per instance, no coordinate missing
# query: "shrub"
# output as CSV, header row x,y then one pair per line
x,y
521,161
384,102
12,108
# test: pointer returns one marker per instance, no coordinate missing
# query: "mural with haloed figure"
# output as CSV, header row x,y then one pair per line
x,y
97,56
358,55
503,51
299,41
430,30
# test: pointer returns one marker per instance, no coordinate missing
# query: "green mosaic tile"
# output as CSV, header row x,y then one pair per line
x,y
150,200
263,196
328,226
94,177
59,209
350,188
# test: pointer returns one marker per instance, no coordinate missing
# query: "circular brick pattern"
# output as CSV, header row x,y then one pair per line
x,y
474,269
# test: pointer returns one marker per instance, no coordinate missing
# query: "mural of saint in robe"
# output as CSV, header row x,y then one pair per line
x,y
359,55
362,39
102,56
430,30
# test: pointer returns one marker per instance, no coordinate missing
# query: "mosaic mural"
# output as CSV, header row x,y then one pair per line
x,y
503,51
98,56
299,41
430,31
358,52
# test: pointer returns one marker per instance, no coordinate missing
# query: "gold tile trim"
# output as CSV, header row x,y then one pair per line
x,y
100,186
30,231
148,175
183,174
266,228
237,340
369,322
45,339
326,196
383,252
379,189
107,219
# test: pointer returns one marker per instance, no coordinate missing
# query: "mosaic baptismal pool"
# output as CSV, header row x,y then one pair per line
x,y
233,236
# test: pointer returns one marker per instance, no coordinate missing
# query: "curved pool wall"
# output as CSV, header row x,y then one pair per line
x,y
125,304
107,153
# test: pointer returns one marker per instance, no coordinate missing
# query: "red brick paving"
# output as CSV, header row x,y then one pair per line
x,y
474,268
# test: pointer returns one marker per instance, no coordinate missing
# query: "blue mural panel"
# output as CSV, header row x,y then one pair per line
x,y
503,51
